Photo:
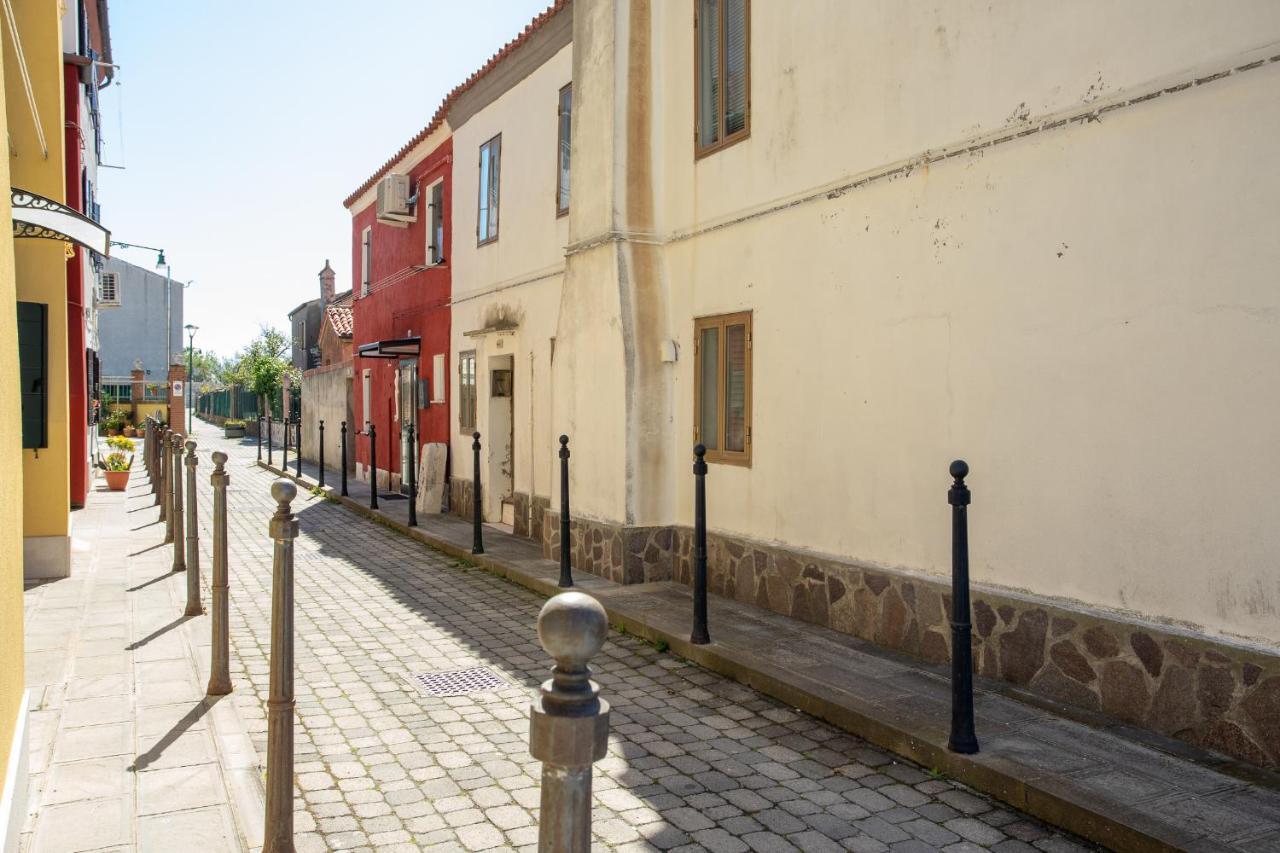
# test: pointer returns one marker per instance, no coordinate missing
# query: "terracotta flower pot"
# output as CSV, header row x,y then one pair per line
x,y
130,432
112,432
117,480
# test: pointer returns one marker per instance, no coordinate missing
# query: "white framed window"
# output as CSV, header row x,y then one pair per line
x,y
366,259
490,173
109,289
367,378
435,223
437,378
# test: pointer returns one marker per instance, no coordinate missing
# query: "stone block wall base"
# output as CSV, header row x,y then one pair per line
x,y
621,554
1214,694
460,503
13,787
46,557
529,515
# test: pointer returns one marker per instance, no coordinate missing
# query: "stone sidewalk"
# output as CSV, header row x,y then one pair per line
x,y
696,761
126,754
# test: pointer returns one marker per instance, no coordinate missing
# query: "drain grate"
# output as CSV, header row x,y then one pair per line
x,y
457,682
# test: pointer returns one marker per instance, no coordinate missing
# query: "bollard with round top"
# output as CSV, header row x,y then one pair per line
x,y
284,453
343,460
962,739
321,446
477,505
179,555
164,497
220,653
259,438
270,442
413,478
280,705
373,466
566,573
194,607
700,635
568,721
297,447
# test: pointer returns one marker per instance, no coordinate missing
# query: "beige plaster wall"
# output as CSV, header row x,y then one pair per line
x,y
1087,314
514,281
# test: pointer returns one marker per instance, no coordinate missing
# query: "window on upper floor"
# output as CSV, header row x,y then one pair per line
x,y
490,170
435,224
109,289
722,387
564,114
722,34
366,259
467,391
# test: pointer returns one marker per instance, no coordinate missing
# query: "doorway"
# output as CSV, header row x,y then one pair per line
x,y
499,497
407,394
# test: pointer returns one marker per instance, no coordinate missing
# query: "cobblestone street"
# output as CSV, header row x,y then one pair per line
x,y
695,761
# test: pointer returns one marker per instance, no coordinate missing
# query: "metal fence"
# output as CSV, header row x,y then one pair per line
x,y
232,402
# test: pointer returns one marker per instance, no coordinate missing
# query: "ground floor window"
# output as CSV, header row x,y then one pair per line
x,y
722,387
467,391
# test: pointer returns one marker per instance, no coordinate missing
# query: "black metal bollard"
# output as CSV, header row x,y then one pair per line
x,y
344,458
322,453
284,462
270,441
963,739
700,635
259,438
297,448
413,478
477,508
373,467
566,573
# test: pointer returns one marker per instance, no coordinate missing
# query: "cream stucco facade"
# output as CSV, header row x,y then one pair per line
x,y
506,292
959,237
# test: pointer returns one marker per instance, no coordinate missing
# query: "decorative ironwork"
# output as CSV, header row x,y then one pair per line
x,y
43,218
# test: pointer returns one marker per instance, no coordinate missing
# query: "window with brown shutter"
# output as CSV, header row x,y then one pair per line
x,y
722,73
722,387
467,392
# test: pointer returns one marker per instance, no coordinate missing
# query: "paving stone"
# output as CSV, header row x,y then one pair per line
x,y
695,761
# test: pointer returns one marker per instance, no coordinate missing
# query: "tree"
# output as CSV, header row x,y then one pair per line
x,y
208,370
262,365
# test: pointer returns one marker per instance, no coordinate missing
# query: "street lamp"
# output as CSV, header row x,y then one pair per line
x,y
191,335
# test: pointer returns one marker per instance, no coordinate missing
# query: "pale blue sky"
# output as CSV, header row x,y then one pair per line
x,y
243,126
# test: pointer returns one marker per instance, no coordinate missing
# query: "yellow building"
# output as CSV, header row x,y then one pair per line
x,y
35,120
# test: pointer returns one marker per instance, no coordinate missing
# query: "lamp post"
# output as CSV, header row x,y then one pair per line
x,y
191,335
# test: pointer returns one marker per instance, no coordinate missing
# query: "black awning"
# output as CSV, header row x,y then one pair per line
x,y
394,348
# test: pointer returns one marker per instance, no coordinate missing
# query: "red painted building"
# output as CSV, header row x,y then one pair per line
x,y
400,307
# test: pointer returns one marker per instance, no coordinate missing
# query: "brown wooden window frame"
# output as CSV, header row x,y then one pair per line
x,y
721,322
468,394
562,151
722,141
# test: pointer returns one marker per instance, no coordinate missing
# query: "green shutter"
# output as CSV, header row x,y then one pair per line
x,y
33,369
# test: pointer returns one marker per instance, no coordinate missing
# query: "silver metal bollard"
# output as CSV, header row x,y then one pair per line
x,y
175,465
166,484
193,535
279,819
569,722
220,657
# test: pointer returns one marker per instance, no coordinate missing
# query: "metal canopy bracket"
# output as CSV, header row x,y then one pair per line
x,y
37,216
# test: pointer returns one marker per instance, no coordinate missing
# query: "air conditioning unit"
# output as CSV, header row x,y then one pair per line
x,y
396,204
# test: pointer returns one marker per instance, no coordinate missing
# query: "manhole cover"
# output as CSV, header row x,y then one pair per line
x,y
457,682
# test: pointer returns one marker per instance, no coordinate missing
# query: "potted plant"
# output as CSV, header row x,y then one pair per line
x,y
116,469
233,428
129,431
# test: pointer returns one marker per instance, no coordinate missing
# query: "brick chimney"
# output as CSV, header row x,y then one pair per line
x,y
326,283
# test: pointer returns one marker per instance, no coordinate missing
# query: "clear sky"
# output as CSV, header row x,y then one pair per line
x,y
242,126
